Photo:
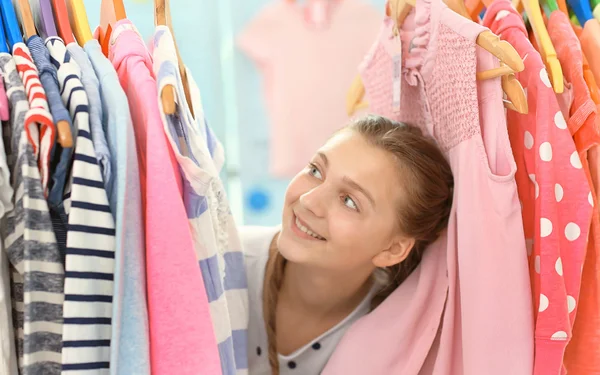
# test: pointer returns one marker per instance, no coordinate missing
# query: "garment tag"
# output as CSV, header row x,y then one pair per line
x,y
397,73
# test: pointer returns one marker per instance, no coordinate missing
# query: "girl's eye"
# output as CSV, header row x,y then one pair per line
x,y
314,171
349,202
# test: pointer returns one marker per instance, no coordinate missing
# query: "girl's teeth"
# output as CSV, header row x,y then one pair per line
x,y
307,231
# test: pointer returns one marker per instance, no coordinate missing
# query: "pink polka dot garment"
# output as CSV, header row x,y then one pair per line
x,y
555,196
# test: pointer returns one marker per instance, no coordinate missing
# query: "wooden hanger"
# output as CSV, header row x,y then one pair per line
x,y
534,14
61,16
162,16
167,95
504,51
517,99
547,51
111,11
44,18
79,21
65,137
27,19
515,93
11,23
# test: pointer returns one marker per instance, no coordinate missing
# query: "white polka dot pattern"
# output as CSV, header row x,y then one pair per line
x,y
546,151
528,140
545,227
544,302
571,303
559,120
558,192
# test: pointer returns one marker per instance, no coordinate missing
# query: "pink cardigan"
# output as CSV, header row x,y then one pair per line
x,y
467,309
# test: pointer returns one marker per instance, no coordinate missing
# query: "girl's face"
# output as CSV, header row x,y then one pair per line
x,y
340,212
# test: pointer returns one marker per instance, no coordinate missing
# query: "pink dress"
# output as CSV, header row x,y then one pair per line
x,y
476,317
307,72
554,191
182,337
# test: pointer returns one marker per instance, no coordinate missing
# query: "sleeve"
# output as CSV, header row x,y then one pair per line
x,y
258,39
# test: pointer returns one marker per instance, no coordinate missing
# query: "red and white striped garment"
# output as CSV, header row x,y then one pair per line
x,y
39,112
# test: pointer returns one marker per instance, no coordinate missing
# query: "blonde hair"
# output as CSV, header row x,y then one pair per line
x,y
423,214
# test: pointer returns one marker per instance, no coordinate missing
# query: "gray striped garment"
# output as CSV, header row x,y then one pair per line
x,y
38,273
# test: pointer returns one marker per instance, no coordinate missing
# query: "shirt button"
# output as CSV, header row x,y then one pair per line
x,y
316,346
258,351
292,365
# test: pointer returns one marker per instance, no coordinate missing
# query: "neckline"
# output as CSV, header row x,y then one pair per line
x,y
362,306
302,13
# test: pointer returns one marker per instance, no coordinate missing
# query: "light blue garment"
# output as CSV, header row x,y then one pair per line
x,y
130,345
92,89
218,248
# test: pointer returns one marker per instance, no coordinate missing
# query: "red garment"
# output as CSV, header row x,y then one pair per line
x,y
554,193
39,112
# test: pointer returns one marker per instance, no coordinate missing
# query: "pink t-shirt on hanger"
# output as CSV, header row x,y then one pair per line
x,y
308,66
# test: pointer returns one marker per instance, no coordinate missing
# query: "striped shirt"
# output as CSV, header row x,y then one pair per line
x,y
39,113
92,89
89,266
38,274
216,238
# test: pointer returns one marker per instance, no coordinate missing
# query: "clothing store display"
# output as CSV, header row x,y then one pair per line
x,y
89,264
305,81
92,90
312,357
130,338
36,263
217,245
120,255
442,60
173,275
39,114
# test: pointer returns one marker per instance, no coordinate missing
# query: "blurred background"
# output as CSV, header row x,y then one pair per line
x,y
232,93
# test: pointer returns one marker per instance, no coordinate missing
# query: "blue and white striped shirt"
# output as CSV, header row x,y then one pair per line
x,y
90,253
216,238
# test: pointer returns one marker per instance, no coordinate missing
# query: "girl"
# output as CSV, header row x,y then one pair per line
x,y
356,222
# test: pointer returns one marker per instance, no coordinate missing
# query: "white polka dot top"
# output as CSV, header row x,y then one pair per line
x,y
308,360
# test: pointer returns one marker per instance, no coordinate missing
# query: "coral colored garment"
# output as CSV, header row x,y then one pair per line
x,y
582,355
553,190
486,326
181,334
307,73
583,352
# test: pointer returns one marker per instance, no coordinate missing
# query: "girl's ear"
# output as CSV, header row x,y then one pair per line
x,y
395,253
